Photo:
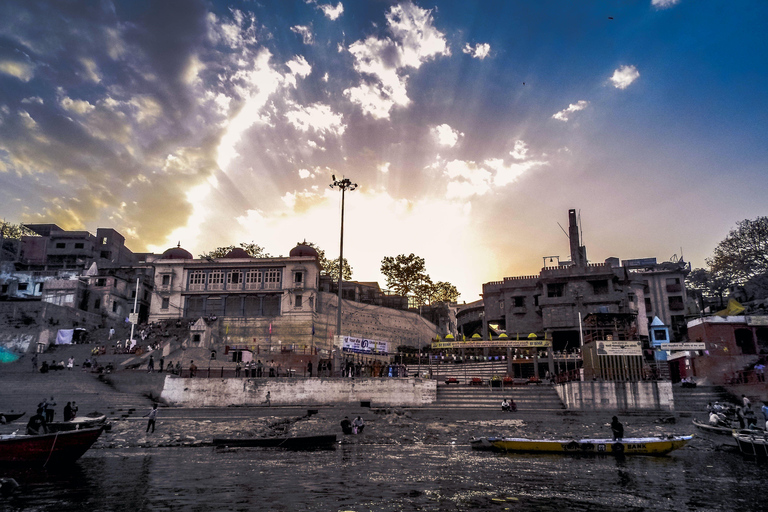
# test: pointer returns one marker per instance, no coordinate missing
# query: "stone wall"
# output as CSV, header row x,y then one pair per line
x,y
410,392
600,395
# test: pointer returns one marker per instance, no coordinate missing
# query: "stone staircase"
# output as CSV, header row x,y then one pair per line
x,y
694,401
528,398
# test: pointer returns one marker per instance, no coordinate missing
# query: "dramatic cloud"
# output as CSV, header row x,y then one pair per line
x,y
624,76
520,150
381,62
445,135
479,51
564,114
317,117
330,11
21,70
664,4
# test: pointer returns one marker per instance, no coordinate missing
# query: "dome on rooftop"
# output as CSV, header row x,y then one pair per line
x,y
237,252
177,253
303,250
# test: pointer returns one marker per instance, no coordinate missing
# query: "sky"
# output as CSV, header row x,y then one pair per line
x,y
470,127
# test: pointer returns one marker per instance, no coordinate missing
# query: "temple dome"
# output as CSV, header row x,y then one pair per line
x,y
303,250
237,252
177,253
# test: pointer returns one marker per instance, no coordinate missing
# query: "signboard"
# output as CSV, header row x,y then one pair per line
x,y
639,263
683,346
133,318
757,320
439,345
363,346
619,348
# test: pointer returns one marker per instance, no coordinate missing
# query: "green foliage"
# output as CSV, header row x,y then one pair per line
x,y
743,254
9,231
406,275
709,284
253,250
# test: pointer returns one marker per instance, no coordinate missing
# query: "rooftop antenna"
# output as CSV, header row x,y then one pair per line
x,y
581,231
564,231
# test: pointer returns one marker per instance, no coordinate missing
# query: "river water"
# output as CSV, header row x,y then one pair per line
x,y
359,478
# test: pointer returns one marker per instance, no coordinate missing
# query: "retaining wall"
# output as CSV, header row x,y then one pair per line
x,y
198,392
600,395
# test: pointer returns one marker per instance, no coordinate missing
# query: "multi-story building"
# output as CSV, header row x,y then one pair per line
x,y
553,302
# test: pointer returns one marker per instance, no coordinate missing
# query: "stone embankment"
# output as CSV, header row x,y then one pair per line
x,y
22,389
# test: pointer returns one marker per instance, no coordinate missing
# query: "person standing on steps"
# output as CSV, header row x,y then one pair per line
x,y
268,399
152,415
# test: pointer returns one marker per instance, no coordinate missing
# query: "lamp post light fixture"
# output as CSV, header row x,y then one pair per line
x,y
343,184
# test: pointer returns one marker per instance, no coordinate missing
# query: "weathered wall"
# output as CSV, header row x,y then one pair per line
x,y
599,395
411,392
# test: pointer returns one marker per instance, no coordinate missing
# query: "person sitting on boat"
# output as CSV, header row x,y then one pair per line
x,y
617,428
358,425
749,417
346,426
505,405
37,423
68,411
715,419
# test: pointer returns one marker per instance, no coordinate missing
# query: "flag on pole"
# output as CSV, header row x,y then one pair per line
x,y
270,327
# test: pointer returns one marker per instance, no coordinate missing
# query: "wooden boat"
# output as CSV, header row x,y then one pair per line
x,y
751,445
725,434
47,449
78,423
11,416
483,443
289,443
626,446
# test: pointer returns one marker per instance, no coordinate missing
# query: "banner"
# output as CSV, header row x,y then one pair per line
x,y
64,336
683,346
440,345
363,346
619,348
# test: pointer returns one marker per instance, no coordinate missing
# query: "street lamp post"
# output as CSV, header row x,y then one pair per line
x,y
343,184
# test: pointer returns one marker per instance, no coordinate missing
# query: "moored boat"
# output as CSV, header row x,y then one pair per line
x,y
289,443
725,434
8,417
626,446
92,420
752,445
47,449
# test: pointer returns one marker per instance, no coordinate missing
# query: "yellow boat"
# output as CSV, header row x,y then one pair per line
x,y
626,446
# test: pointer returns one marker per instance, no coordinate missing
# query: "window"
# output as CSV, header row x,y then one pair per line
x,y
518,302
216,280
22,287
104,241
311,302
272,278
253,279
105,255
61,245
96,303
133,294
235,277
166,280
673,280
196,338
299,301
555,289
631,298
676,304
165,303
196,280
114,307
660,334
599,287
101,281
79,245
298,277
648,305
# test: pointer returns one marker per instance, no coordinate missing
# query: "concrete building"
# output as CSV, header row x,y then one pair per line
x,y
56,248
272,305
551,303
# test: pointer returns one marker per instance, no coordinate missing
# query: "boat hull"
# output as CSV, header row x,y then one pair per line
x,y
288,443
11,416
752,446
78,423
627,446
47,449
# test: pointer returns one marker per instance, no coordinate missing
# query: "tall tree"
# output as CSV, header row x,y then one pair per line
x,y
253,250
743,254
330,267
404,273
444,292
709,284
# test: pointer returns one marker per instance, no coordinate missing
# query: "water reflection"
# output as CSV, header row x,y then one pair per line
x,y
388,478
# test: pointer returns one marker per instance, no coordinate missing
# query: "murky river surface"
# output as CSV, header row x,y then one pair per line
x,y
389,478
